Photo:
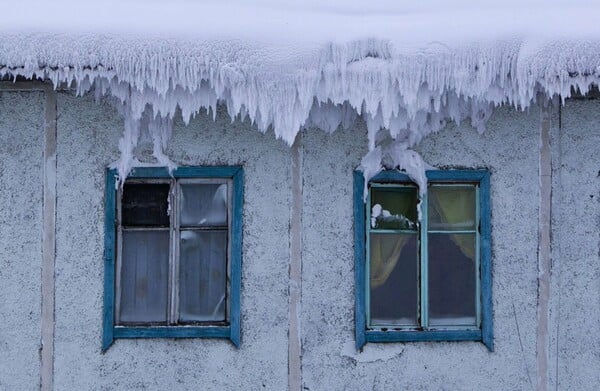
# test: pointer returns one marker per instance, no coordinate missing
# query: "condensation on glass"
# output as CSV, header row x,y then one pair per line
x,y
422,276
172,266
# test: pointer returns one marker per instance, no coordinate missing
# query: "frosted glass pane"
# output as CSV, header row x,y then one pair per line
x,y
203,204
452,279
203,276
145,204
393,280
394,208
452,208
144,274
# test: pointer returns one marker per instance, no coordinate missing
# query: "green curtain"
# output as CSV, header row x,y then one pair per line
x,y
456,206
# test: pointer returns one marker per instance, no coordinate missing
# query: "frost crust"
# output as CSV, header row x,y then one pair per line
x,y
403,94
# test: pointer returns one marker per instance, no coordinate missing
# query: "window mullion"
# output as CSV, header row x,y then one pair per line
x,y
477,259
368,260
423,263
228,253
119,257
173,254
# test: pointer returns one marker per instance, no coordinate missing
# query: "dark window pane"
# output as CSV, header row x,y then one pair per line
x,y
452,279
145,204
144,275
203,204
393,280
452,208
394,208
203,276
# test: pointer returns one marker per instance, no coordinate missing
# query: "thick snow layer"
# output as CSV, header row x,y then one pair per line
x,y
406,69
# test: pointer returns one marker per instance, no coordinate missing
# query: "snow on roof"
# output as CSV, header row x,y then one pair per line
x,y
406,67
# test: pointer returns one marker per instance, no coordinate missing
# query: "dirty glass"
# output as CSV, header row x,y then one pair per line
x,y
144,275
203,204
203,276
452,279
145,204
394,208
393,279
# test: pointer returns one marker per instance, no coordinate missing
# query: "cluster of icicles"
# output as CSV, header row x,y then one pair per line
x,y
402,98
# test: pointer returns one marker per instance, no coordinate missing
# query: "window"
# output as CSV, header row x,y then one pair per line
x,y
173,254
425,279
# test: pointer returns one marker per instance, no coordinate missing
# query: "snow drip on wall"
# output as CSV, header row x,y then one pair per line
x,y
402,95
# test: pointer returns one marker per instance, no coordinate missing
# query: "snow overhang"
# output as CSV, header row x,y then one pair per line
x,y
406,69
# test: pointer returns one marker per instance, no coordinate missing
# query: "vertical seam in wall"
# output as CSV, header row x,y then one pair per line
x,y
48,224
556,250
544,257
295,281
558,255
48,240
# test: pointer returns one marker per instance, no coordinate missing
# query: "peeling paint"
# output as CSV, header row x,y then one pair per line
x,y
371,352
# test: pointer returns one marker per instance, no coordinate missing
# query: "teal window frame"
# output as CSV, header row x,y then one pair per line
x,y
231,331
484,331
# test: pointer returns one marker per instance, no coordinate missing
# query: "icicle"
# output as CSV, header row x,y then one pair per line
x,y
370,165
160,130
411,93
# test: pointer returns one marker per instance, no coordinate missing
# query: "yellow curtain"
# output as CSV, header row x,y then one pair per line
x,y
456,206
384,256
386,248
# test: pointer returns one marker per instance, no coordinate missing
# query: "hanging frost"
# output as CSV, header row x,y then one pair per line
x,y
288,82
395,155
158,130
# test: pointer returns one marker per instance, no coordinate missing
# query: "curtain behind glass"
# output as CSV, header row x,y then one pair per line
x,y
392,209
452,208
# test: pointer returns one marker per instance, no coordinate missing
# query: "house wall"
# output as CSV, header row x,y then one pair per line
x,y
87,135
576,247
87,143
510,152
21,146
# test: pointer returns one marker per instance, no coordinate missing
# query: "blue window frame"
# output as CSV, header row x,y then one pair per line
x,y
427,278
173,254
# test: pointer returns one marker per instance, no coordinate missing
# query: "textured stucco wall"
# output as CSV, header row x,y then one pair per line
x,y
87,143
576,247
21,146
510,151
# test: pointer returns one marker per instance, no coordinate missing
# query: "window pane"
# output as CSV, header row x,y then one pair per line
x,y
393,280
144,275
394,208
203,276
145,204
452,279
203,204
452,208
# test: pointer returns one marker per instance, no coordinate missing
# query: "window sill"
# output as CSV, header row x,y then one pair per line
x,y
173,332
416,336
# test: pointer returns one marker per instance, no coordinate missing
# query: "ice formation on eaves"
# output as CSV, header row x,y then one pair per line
x,y
402,95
